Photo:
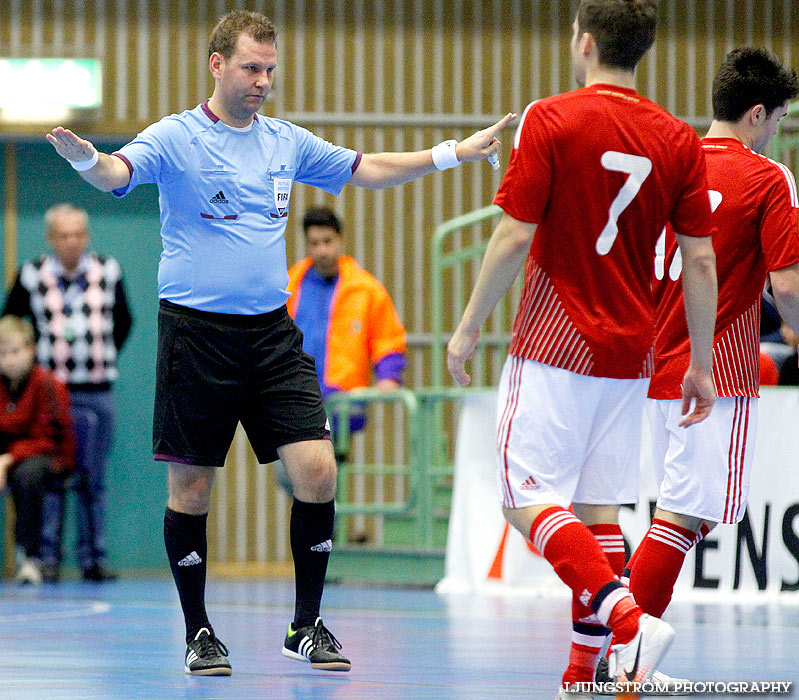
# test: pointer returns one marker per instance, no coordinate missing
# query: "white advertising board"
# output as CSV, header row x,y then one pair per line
x,y
757,557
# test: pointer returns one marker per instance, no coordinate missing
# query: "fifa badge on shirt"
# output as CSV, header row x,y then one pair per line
x,y
281,189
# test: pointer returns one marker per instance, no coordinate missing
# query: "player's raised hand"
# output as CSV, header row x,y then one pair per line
x,y
697,388
460,349
484,143
71,146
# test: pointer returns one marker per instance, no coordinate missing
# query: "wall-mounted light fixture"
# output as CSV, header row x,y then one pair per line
x,y
47,90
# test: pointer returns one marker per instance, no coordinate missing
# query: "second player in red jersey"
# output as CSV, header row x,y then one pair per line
x,y
703,473
757,221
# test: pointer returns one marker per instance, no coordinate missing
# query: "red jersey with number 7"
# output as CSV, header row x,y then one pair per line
x,y
757,223
600,170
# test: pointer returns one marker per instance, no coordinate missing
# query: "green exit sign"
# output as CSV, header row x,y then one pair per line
x,y
41,89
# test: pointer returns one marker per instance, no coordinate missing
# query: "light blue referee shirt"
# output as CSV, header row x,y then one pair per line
x,y
224,196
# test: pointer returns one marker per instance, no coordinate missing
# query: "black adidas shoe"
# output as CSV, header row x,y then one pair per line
x,y
207,656
316,644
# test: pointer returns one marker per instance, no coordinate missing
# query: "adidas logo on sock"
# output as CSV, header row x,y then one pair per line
x,y
529,485
190,560
585,597
326,546
219,198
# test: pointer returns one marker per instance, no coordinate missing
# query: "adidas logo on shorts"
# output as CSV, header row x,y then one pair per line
x,y
326,546
529,485
219,198
190,560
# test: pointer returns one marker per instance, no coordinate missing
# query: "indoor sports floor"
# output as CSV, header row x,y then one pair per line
x,y
125,641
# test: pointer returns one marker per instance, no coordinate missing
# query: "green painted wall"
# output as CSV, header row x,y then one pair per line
x,y
127,229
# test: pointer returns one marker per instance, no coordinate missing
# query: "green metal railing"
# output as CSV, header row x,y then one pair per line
x,y
441,262
426,467
340,406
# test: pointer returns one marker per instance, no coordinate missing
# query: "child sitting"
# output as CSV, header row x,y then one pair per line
x,y
36,439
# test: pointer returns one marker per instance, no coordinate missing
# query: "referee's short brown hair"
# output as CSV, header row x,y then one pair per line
x,y
226,32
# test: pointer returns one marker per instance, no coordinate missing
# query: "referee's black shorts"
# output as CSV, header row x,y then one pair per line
x,y
214,370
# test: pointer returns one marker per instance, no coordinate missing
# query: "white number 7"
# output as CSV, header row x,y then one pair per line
x,y
638,168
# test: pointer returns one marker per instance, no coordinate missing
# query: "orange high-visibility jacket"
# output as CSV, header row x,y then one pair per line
x,y
363,326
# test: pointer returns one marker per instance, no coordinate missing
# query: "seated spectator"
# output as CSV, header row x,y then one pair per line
x,y
36,440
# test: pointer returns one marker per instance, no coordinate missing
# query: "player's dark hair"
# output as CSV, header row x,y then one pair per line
x,y
623,29
226,32
749,77
321,216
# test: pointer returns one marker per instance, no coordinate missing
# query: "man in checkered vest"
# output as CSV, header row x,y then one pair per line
x,y
76,300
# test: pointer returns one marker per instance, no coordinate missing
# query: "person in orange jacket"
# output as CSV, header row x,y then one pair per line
x,y
36,437
349,324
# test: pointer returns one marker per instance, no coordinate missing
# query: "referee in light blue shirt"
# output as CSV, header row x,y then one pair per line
x,y
227,349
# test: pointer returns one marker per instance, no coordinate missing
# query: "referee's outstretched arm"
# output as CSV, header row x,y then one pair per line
x,y
379,170
105,172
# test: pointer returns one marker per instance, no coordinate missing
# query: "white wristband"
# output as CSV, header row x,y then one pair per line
x,y
444,156
81,165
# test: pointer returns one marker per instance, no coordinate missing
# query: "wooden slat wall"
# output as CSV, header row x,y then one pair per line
x,y
377,75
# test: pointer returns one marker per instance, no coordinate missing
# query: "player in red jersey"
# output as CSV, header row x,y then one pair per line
x,y
594,176
703,473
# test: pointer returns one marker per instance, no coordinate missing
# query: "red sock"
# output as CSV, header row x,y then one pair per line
x,y
582,662
581,564
657,563
612,542
588,633
625,574
623,620
573,551
704,530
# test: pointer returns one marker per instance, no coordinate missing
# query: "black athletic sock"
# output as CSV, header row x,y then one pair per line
x,y
311,533
187,550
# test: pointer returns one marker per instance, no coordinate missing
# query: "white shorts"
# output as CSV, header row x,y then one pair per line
x,y
566,438
703,471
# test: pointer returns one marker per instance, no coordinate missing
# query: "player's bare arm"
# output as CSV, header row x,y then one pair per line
x,y
700,290
785,288
106,174
504,257
379,170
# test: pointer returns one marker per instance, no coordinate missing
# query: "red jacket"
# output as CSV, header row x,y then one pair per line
x,y
38,422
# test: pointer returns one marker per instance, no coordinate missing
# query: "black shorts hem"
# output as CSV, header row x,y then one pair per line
x,y
325,435
193,461
270,455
